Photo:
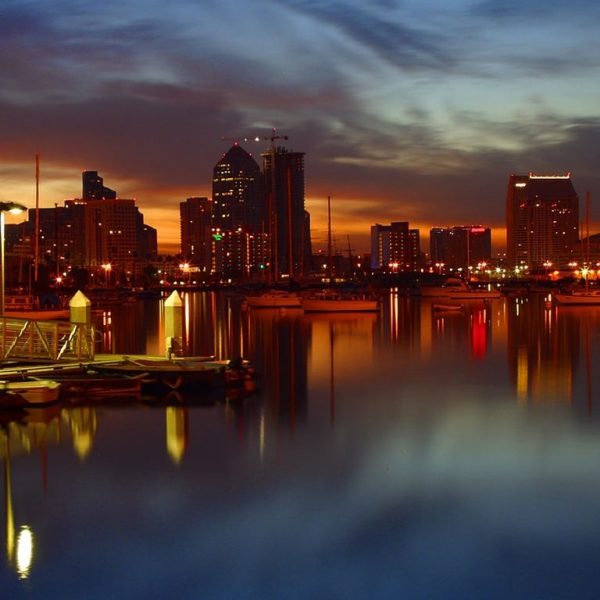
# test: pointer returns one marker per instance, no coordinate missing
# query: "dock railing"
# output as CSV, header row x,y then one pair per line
x,y
48,340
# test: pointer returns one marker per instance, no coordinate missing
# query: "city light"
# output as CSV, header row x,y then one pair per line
x,y
107,269
24,555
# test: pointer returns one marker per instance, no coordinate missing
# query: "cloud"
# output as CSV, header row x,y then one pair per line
x,y
380,28
413,111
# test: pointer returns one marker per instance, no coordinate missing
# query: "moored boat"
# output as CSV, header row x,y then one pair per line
x,y
91,387
578,298
273,299
459,289
186,373
29,394
157,373
334,301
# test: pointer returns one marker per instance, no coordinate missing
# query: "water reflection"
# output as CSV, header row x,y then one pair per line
x,y
384,425
543,344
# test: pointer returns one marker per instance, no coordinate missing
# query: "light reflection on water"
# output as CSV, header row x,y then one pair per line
x,y
413,453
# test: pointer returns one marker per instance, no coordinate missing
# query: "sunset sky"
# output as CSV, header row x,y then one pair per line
x,y
407,111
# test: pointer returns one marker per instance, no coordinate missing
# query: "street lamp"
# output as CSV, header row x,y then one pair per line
x,y
14,209
185,268
107,269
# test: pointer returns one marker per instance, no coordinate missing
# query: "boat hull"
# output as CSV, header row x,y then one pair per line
x,y
29,394
350,305
93,388
282,300
578,299
167,375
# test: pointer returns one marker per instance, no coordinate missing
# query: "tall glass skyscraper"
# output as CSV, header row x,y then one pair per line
x,y
542,220
237,192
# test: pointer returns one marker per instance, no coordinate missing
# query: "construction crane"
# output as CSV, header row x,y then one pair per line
x,y
270,138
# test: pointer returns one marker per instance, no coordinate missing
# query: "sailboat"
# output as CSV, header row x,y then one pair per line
x,y
579,296
576,297
331,300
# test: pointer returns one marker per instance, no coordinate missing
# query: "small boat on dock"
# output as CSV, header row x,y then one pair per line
x,y
29,394
168,374
182,374
92,387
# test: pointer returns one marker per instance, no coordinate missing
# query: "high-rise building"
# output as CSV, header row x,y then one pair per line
x,y
286,217
542,220
93,231
395,247
461,246
196,231
237,211
94,189
60,239
110,231
237,192
147,239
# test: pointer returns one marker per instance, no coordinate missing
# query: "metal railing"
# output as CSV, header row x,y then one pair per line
x,y
48,340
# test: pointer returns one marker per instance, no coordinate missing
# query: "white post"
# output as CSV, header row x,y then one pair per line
x,y
80,315
80,309
173,324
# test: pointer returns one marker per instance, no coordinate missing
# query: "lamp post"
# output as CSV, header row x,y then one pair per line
x,y
14,209
185,268
107,269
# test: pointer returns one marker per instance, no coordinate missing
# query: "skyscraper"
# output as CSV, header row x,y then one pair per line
x,y
461,246
101,228
196,229
237,211
396,245
237,192
285,215
542,220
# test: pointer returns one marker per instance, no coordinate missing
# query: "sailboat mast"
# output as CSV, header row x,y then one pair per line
x,y
36,238
587,226
330,258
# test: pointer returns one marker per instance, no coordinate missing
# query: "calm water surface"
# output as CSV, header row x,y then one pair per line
x,y
408,454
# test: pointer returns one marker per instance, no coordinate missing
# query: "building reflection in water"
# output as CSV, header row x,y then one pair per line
x,y
294,351
341,352
135,328
542,342
278,347
308,365
214,325
543,349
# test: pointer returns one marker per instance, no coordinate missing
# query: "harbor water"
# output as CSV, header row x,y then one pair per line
x,y
411,453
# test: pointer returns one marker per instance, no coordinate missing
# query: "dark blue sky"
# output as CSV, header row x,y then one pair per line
x,y
415,110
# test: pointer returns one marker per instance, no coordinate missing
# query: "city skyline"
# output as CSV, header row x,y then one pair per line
x,y
413,111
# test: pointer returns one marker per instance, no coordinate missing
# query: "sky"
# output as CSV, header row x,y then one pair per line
x,y
414,110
